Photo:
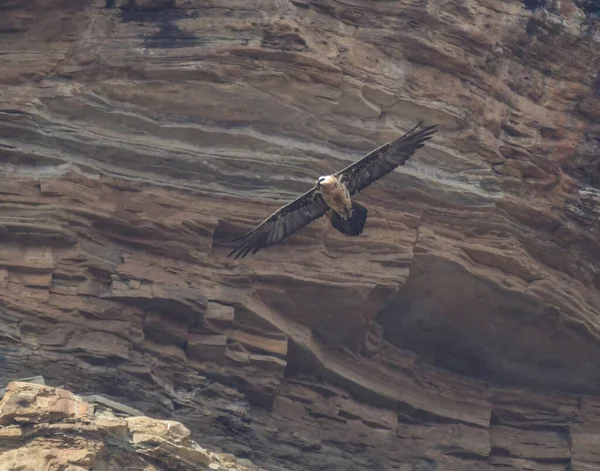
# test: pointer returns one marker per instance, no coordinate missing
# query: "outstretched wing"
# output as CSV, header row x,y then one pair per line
x,y
282,223
385,159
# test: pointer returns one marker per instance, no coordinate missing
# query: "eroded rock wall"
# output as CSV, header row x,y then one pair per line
x,y
138,136
43,428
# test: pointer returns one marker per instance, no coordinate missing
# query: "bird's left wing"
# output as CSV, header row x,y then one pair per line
x,y
282,223
385,159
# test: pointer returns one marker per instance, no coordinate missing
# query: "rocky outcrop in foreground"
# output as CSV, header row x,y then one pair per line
x,y
47,429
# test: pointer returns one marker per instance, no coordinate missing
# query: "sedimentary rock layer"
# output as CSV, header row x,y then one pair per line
x,y
46,428
137,137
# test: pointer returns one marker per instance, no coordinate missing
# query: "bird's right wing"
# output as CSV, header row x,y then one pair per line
x,y
282,223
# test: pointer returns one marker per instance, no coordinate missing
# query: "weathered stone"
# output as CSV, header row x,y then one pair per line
x,y
219,312
206,347
137,138
268,363
33,379
161,329
534,445
56,431
267,344
375,417
113,406
11,432
449,439
237,356
585,446
30,402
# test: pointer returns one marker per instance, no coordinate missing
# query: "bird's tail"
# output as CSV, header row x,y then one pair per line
x,y
352,226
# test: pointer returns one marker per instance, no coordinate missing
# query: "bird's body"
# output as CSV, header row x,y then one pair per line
x,y
334,192
347,216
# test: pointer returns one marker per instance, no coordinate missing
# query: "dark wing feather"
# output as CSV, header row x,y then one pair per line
x,y
282,223
385,159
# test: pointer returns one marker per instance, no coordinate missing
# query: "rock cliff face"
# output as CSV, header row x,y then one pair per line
x,y
461,331
47,428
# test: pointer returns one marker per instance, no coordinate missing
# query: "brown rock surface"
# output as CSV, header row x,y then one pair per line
x,y
43,428
461,331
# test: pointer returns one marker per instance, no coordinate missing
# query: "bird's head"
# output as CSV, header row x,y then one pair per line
x,y
324,181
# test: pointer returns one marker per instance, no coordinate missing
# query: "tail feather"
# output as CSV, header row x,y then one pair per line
x,y
354,225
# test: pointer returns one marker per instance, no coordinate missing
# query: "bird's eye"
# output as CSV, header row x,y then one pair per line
x,y
321,179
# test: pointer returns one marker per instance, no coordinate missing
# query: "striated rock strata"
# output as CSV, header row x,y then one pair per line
x,y
461,331
43,428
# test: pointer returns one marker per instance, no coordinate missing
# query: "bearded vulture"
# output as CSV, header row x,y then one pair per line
x,y
334,192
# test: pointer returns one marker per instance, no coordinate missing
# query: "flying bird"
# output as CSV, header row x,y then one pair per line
x,y
334,192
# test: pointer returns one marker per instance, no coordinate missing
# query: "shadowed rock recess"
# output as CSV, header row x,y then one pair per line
x,y
461,331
